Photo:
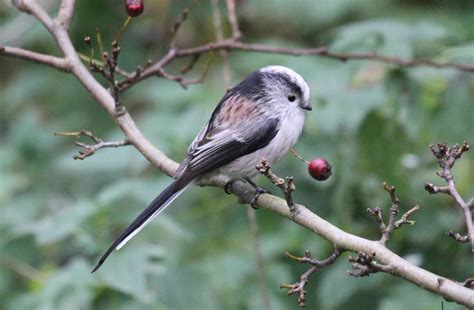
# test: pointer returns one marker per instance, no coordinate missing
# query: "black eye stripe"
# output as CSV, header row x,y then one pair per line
x,y
292,85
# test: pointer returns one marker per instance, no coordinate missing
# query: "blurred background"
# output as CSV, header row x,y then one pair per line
x,y
372,121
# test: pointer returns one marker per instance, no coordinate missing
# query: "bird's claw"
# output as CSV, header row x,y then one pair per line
x,y
228,187
258,191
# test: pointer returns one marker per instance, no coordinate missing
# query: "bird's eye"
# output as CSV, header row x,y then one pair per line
x,y
291,98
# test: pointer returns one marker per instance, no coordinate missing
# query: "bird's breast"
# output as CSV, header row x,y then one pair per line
x,y
290,128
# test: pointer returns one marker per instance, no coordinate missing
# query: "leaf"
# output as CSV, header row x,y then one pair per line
x,y
68,288
59,224
462,53
386,36
128,270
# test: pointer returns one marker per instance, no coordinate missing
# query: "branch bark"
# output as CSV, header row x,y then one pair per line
x,y
57,63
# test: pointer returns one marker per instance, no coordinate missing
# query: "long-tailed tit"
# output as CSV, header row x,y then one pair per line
x,y
260,118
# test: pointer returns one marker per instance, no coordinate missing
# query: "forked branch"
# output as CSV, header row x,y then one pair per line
x,y
90,149
447,157
393,223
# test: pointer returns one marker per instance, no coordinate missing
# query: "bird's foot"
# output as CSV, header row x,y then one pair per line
x,y
258,191
228,186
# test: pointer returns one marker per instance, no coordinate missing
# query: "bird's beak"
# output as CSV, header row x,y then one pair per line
x,y
307,106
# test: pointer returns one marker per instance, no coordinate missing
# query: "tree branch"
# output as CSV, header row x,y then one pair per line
x,y
57,63
32,7
216,18
365,264
258,256
233,45
446,157
316,265
398,266
318,51
89,150
66,13
287,186
236,34
393,223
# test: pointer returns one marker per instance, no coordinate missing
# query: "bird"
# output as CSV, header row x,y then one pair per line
x,y
262,117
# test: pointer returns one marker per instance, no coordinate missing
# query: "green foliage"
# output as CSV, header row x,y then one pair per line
x,y
371,120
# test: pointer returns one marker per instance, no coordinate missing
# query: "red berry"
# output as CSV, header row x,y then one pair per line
x,y
320,169
134,7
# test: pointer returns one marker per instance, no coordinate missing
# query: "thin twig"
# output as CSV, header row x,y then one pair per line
x,y
27,271
316,265
216,14
182,80
231,45
234,23
393,223
404,220
365,264
377,214
318,51
447,157
258,256
298,156
469,282
190,66
394,209
89,150
287,186
177,24
457,236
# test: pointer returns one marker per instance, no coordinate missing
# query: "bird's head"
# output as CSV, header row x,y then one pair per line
x,y
286,86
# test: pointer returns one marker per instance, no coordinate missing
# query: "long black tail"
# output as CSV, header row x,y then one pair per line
x,y
155,207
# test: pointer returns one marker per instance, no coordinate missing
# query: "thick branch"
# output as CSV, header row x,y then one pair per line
x,y
398,266
60,64
32,7
66,12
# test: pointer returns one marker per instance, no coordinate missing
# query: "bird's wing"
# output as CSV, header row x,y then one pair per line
x,y
223,146
192,147
237,127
